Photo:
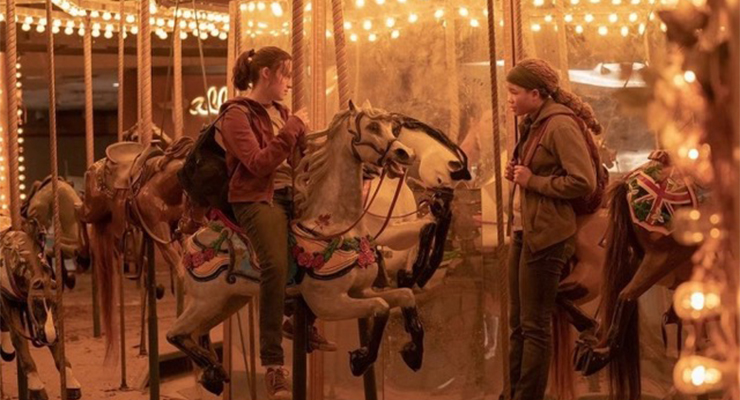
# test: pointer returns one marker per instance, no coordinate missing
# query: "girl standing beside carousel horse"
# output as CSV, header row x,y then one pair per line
x,y
551,167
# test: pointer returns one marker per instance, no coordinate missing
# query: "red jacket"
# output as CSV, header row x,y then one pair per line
x,y
253,151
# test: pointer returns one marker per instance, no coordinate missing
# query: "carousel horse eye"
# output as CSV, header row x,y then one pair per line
x,y
454,165
37,285
373,127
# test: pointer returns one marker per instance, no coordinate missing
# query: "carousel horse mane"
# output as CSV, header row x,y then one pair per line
x,y
314,167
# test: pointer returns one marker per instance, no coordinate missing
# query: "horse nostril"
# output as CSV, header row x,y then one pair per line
x,y
454,166
401,155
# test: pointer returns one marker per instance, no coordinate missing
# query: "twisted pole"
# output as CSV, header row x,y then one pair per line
x,y
11,60
340,49
177,90
146,75
453,95
58,262
298,56
502,278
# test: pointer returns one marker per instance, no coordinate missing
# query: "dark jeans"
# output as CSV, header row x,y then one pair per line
x,y
533,286
267,229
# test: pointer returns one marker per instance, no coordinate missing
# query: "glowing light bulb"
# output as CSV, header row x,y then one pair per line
x,y
603,30
463,12
539,3
641,29
108,34
690,77
26,27
130,19
380,2
548,18
536,27
353,37
367,25
372,37
390,22
347,25
633,17
439,13
69,31
413,18
360,3
588,18
695,375
261,6
613,18
625,31
474,23
574,2
395,34
579,29
568,18
106,16
694,300
183,35
40,28
277,9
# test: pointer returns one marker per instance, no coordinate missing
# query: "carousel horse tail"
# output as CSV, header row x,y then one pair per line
x,y
102,245
562,370
622,261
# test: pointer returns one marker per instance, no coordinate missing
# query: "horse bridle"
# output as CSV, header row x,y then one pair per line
x,y
357,141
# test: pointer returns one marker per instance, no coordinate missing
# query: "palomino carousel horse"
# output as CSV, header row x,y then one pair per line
x,y
334,259
134,187
440,164
37,214
641,253
29,307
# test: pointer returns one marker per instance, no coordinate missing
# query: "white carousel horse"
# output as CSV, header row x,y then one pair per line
x,y
439,165
330,244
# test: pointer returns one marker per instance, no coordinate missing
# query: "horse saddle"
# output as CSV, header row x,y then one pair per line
x,y
125,161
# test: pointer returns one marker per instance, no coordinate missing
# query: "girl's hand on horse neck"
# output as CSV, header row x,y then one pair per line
x,y
302,114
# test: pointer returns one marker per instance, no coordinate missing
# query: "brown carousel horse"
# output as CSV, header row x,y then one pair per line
x,y
134,188
640,253
29,308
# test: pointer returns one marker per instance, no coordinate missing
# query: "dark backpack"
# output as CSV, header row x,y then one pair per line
x,y
590,203
204,175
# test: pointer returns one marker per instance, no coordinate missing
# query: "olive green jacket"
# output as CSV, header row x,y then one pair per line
x,y
561,170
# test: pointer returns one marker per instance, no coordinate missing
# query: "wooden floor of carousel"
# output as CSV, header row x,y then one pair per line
x,y
462,358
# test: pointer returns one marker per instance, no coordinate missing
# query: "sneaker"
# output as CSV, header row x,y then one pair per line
x,y
316,341
277,385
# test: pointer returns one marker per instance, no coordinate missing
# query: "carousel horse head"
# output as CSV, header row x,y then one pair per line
x,y
31,284
373,140
440,162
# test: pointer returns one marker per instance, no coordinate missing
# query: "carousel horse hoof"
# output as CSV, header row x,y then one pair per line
x,y
74,394
213,380
595,361
7,357
38,395
71,281
160,291
360,361
412,355
82,263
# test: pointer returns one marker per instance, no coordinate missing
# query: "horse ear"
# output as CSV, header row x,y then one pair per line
x,y
367,104
352,106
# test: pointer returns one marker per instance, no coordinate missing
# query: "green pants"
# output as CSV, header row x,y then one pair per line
x,y
267,227
533,286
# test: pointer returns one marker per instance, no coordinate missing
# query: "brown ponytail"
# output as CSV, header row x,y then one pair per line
x,y
246,72
534,73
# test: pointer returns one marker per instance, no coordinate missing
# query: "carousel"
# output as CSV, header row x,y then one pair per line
x,y
125,274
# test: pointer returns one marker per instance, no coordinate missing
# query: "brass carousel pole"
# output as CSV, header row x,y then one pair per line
x,y
121,303
340,48
500,235
11,59
55,203
145,133
90,155
300,317
318,119
452,84
230,92
177,94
